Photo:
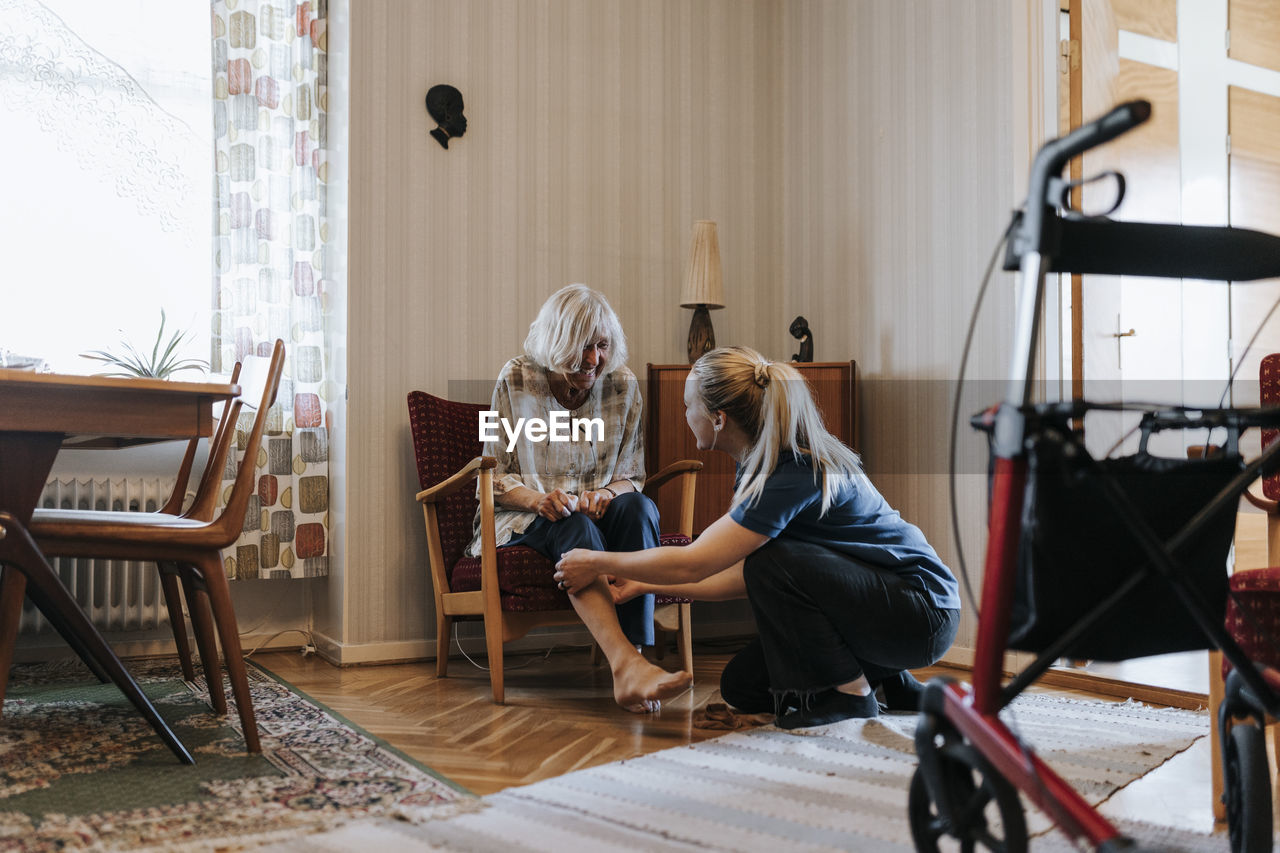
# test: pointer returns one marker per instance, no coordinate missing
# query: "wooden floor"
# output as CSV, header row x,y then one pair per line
x,y
559,713
560,716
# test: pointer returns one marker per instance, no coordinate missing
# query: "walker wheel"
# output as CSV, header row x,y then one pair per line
x,y
974,804
1247,787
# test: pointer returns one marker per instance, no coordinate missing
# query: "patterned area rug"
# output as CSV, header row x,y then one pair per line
x,y
80,769
841,787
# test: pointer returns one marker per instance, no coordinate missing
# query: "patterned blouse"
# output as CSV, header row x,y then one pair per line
x,y
590,462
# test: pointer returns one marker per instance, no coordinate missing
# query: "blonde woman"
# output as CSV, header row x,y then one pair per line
x,y
555,496
847,595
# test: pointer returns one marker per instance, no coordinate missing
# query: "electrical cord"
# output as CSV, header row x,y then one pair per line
x,y
309,648
535,659
955,414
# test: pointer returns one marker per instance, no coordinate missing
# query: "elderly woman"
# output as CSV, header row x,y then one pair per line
x,y
554,495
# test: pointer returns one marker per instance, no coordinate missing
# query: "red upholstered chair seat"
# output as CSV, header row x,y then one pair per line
x,y
1253,615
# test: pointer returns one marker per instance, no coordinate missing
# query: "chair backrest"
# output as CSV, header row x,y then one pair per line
x,y
205,501
231,522
1269,395
446,436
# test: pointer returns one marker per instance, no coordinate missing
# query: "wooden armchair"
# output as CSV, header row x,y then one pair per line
x,y
1253,607
510,588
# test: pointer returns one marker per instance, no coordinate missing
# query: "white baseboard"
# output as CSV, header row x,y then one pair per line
x,y
355,654
51,647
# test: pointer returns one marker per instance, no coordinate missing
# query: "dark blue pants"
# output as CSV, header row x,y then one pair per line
x,y
824,619
629,524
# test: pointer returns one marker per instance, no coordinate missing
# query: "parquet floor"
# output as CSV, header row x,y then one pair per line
x,y
559,713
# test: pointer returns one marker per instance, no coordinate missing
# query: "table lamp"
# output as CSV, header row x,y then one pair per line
x,y
702,287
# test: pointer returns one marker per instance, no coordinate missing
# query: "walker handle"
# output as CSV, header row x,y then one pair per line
x,y
1053,157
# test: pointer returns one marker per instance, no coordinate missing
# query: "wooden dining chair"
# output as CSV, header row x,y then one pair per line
x,y
202,508
194,545
510,588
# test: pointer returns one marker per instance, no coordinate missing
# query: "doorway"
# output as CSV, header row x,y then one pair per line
x,y
1210,155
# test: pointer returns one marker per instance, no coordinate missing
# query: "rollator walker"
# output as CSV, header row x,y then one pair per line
x,y
1105,559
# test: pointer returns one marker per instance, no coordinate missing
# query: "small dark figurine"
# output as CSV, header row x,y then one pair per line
x,y
445,105
800,331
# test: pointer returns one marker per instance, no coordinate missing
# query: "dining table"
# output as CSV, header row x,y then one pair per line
x,y
40,414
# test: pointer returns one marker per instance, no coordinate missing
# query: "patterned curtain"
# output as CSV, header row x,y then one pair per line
x,y
270,98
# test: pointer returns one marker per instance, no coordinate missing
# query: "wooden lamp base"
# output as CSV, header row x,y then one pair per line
x,y
702,338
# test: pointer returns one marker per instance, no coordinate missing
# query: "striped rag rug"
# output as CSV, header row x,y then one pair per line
x,y
838,787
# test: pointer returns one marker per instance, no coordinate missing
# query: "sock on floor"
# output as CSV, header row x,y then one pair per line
x,y
830,706
902,692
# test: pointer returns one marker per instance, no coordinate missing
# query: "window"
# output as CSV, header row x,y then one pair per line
x,y
108,160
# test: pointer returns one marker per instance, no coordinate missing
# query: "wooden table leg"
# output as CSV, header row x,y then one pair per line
x,y
18,551
13,586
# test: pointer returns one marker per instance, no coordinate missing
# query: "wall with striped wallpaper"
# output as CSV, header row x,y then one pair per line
x,y
599,130
907,142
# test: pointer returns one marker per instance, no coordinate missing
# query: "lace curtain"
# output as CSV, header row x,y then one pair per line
x,y
270,99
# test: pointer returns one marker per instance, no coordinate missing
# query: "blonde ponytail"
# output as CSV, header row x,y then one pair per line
x,y
772,404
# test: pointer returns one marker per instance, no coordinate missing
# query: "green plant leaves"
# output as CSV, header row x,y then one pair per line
x,y
163,362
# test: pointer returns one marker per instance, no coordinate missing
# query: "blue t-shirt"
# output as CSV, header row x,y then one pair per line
x,y
859,523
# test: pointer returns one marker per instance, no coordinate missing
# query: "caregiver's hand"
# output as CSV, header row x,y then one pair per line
x,y
577,570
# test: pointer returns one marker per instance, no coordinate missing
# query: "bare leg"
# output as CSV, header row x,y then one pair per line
x,y
858,687
637,684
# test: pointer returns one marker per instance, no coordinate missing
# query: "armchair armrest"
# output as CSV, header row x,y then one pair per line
x,y
1263,503
447,487
670,472
683,467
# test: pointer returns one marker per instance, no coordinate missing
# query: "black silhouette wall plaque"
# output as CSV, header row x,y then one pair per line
x,y
800,331
445,105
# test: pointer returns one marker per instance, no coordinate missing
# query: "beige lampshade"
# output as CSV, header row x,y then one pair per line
x,y
702,285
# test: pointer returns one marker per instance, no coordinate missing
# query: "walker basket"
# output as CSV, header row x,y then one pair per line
x,y
1077,549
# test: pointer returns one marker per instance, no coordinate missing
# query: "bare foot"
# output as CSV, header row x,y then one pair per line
x,y
639,685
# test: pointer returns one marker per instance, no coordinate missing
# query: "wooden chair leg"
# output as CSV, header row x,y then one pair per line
x,y
684,637
224,618
443,626
493,633
202,622
1216,693
173,603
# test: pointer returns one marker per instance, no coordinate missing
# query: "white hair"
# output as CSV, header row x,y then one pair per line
x,y
569,321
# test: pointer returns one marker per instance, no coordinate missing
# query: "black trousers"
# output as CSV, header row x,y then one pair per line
x,y
824,619
629,524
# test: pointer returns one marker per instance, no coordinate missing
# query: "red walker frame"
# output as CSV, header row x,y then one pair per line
x,y
1044,241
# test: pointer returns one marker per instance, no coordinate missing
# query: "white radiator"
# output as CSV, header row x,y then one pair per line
x,y
116,594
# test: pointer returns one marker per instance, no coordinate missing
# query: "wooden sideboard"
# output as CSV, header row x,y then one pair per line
x,y
667,436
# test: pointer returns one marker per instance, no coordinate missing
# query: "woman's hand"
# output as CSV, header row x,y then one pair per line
x,y
577,570
625,589
594,503
556,505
